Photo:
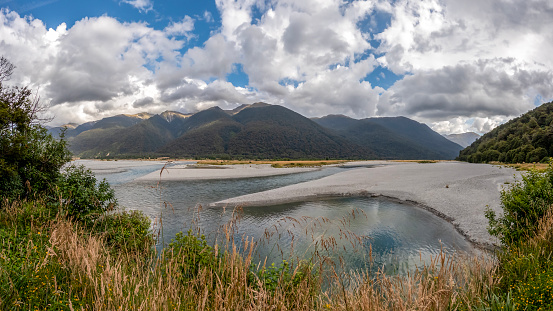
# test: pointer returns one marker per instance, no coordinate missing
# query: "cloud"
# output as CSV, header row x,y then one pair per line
x,y
143,102
141,5
195,95
463,124
182,28
464,65
498,87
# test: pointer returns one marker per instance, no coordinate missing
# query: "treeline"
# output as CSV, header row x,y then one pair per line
x,y
528,138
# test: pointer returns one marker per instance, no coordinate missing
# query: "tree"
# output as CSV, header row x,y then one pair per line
x,y
30,158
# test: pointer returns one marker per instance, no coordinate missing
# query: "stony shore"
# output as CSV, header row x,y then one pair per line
x,y
198,172
458,192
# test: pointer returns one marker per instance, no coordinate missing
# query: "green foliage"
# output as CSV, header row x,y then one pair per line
x,y
528,138
524,204
127,232
84,198
284,276
526,272
193,254
30,159
28,280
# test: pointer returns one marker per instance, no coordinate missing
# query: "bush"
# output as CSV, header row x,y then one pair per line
x,y
192,253
30,158
524,204
127,232
285,276
82,196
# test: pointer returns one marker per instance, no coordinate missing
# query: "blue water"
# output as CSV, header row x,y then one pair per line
x,y
374,232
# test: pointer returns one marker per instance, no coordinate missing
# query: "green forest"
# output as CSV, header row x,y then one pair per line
x,y
528,138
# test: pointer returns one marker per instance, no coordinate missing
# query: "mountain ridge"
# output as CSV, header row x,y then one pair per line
x,y
259,130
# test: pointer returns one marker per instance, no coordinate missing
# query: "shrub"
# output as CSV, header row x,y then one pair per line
x,y
524,204
127,232
82,196
285,277
192,253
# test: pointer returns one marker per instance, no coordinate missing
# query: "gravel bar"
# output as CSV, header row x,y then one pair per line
x,y
456,191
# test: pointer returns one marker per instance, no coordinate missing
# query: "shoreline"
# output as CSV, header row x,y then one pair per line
x,y
233,171
457,192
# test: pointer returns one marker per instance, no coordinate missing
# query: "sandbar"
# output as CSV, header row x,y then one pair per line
x,y
456,191
197,172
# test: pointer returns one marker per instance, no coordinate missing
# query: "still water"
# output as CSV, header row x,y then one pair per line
x,y
375,232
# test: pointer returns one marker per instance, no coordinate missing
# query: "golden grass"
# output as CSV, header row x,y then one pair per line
x,y
120,281
540,167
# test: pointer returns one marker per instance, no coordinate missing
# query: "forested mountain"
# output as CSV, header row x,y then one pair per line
x,y
528,138
392,138
463,139
259,130
115,122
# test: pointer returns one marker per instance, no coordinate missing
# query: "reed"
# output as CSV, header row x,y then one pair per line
x,y
77,270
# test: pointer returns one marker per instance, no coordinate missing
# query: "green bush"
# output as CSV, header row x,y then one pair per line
x,y
524,204
82,196
193,254
283,276
126,232
526,272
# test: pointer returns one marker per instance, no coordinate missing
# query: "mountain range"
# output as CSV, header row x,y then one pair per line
x,y
256,131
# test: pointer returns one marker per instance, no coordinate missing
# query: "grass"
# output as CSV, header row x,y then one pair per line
x,y
540,167
50,262
420,161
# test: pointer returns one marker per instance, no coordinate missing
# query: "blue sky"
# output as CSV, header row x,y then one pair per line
x,y
424,59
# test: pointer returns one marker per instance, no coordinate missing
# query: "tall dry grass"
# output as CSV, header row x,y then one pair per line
x,y
88,275
106,282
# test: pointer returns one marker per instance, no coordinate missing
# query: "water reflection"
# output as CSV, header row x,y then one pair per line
x,y
366,232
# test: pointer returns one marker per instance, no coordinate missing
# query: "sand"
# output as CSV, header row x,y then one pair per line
x,y
202,172
458,192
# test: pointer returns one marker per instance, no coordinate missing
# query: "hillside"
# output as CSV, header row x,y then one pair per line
x,y
392,138
528,138
259,130
131,138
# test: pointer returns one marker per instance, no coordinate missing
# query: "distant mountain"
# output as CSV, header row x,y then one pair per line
x,y
259,130
463,139
118,121
528,138
393,138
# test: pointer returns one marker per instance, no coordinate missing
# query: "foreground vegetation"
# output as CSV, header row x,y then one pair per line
x,y
65,246
50,261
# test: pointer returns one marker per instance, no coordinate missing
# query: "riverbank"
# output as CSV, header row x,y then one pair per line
x,y
456,191
203,172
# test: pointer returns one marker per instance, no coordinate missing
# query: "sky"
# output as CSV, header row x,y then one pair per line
x,y
457,66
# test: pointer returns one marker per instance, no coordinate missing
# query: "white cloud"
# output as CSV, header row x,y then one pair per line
x,y
487,87
141,5
463,124
182,28
469,65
